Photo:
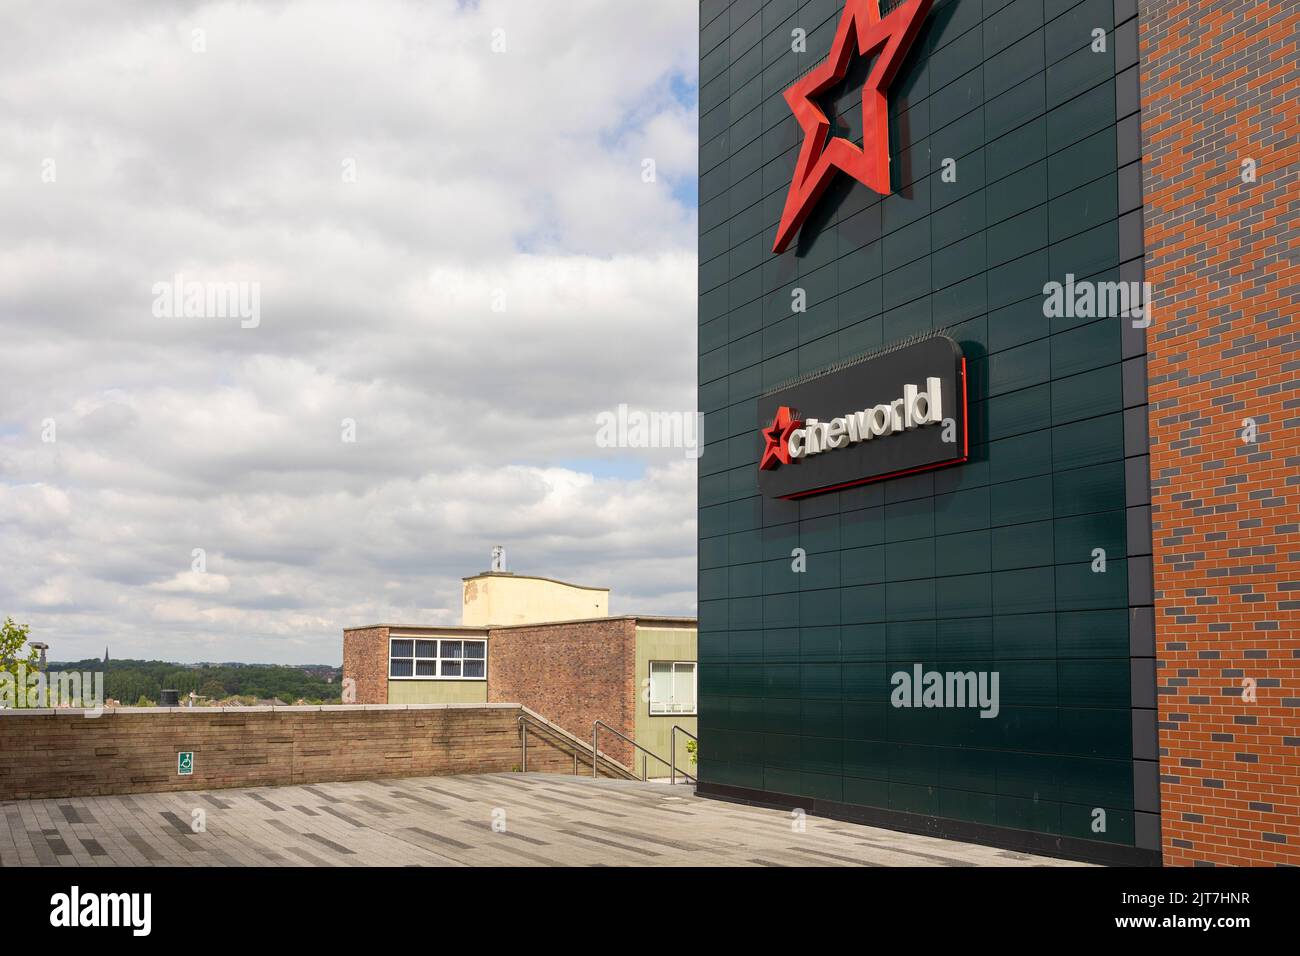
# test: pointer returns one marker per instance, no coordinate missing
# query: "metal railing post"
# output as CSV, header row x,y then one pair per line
x,y
673,752
569,740
636,748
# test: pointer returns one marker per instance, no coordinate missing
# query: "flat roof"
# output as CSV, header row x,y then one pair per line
x,y
380,836
531,577
656,618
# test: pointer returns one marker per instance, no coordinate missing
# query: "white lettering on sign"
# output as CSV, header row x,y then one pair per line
x,y
914,409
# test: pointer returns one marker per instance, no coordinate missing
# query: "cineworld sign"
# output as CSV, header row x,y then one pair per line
x,y
894,413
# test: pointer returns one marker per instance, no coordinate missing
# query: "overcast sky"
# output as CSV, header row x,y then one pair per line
x,y
453,246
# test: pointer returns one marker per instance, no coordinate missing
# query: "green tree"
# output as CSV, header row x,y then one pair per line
x,y
212,689
12,638
130,679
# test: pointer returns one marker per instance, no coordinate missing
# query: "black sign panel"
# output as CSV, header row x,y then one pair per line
x,y
894,413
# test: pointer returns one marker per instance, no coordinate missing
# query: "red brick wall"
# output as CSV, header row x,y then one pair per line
x,y
65,754
1219,85
365,660
571,674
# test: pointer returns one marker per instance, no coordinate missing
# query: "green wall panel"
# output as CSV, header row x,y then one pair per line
x,y
984,567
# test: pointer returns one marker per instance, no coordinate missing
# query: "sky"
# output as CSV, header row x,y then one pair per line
x,y
454,234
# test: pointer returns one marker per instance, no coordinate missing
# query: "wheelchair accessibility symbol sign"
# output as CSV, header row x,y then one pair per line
x,y
185,763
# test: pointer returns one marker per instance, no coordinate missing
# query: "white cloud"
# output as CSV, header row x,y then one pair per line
x,y
476,174
195,582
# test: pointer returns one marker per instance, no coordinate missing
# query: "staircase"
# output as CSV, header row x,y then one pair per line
x,y
548,746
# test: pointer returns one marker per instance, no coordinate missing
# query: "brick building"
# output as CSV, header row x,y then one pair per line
x,y
523,642
1221,178
1056,614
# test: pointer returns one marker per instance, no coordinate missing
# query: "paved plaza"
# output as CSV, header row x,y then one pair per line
x,y
506,819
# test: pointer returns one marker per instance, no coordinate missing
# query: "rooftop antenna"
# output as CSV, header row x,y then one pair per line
x,y
498,558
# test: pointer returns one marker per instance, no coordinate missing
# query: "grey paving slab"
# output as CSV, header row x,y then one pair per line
x,y
484,820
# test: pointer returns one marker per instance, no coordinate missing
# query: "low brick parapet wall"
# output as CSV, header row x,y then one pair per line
x,y
59,753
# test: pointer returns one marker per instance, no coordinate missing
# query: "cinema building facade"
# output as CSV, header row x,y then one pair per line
x,y
999,516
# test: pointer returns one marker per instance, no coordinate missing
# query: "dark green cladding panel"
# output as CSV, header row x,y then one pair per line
x,y
986,566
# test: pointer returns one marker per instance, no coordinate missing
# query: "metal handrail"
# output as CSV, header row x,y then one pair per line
x,y
672,753
564,737
595,746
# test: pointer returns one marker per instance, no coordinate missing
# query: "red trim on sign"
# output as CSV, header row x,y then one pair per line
x,y
872,480
965,414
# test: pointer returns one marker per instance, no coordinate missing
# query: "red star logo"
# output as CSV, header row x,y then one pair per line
x,y
820,156
777,436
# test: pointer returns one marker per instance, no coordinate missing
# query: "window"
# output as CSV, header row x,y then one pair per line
x,y
435,659
672,687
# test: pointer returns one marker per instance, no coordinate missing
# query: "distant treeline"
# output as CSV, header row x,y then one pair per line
x,y
132,682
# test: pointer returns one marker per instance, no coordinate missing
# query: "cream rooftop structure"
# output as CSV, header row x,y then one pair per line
x,y
501,598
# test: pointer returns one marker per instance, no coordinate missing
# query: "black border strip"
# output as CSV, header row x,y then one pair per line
x,y
1143,667
1062,847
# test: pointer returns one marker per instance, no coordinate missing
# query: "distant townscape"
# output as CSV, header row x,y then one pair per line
x,y
132,683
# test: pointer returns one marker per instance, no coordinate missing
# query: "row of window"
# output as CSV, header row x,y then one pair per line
x,y
443,660
672,683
